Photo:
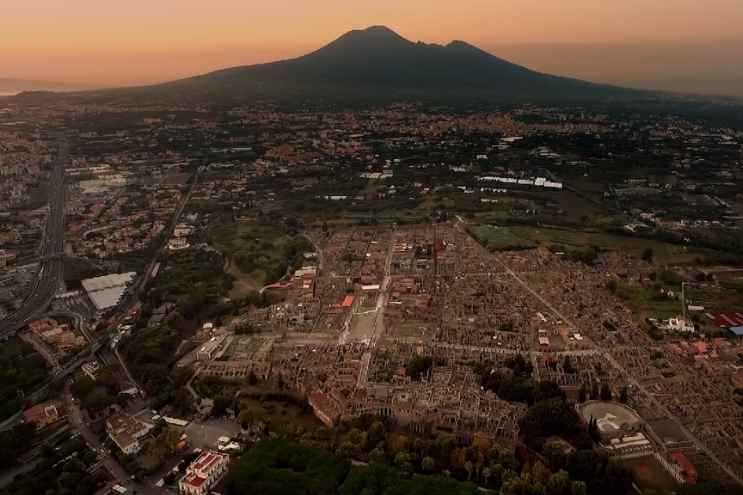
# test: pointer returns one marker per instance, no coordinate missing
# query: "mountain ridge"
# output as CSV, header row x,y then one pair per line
x,y
377,62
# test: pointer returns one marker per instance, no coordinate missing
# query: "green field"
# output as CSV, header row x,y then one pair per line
x,y
648,303
499,238
256,253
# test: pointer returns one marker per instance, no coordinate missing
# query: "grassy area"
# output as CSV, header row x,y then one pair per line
x,y
500,238
648,303
279,414
256,253
664,253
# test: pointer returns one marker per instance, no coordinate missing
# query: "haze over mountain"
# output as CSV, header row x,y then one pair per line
x,y
11,86
377,62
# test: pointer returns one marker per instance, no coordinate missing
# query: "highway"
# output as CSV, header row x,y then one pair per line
x,y
51,271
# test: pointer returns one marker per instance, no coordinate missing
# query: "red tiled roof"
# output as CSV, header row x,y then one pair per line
x,y
194,480
700,347
205,461
729,319
686,466
42,414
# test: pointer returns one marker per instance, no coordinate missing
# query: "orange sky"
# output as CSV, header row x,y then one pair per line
x,y
108,42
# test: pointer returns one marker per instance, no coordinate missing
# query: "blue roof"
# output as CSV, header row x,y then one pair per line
x,y
737,331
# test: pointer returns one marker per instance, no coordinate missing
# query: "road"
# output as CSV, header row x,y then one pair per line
x,y
77,421
120,476
378,325
51,271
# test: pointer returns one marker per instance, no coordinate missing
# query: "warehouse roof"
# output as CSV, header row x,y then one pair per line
x,y
105,292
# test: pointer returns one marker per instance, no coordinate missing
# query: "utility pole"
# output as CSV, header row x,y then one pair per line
x,y
435,254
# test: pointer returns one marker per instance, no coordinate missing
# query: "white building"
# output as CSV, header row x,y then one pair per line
x,y
178,244
677,325
106,292
204,473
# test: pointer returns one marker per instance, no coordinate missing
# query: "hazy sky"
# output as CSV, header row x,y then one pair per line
x,y
107,42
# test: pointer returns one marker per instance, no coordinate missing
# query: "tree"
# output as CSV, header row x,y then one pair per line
x,y
554,451
605,392
582,393
559,484
553,417
612,286
183,401
594,391
567,365
522,485
377,455
547,390
13,442
428,464
624,395
252,379
82,386
345,449
221,403
418,367
578,488
375,433
442,448
404,460
357,439
593,430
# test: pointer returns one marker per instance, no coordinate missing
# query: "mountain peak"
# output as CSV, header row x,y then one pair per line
x,y
372,33
380,29
461,44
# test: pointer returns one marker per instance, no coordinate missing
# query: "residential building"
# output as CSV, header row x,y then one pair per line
x,y
44,414
126,431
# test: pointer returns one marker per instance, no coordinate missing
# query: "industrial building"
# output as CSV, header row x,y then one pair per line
x,y
106,292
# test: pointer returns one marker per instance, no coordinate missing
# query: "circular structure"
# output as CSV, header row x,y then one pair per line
x,y
611,417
